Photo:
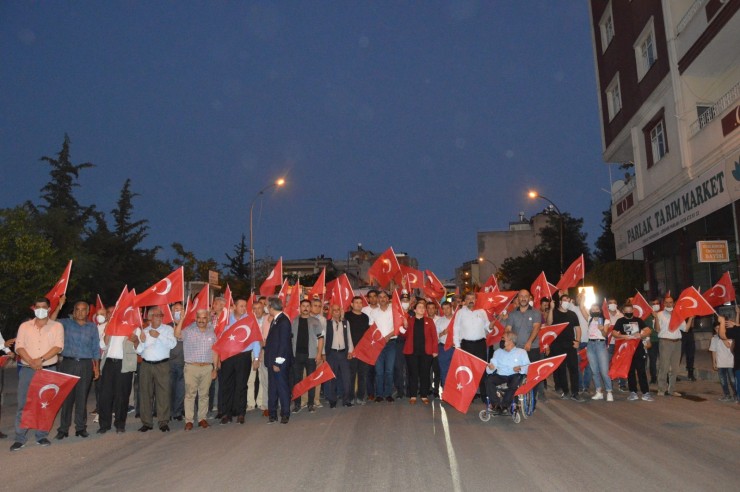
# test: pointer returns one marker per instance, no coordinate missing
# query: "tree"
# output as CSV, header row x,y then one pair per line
x,y
605,249
237,269
194,268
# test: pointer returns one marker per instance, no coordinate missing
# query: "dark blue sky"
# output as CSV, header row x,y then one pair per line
x,y
395,123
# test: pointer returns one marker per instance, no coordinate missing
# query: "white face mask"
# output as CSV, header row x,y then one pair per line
x,y
656,307
612,307
405,306
41,313
565,304
100,318
669,309
531,303
176,315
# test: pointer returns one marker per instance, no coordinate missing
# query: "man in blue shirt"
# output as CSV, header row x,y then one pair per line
x,y
80,357
508,365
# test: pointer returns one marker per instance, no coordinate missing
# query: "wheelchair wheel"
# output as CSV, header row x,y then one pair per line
x,y
484,415
516,415
524,404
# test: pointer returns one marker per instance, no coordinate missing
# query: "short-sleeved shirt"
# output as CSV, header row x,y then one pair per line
x,y
80,341
522,323
724,354
37,341
733,334
631,327
568,335
197,345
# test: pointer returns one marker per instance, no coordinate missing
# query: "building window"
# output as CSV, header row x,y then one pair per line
x,y
656,139
645,50
606,26
613,97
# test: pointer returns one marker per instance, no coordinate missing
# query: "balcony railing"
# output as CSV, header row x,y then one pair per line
x,y
689,15
623,191
715,110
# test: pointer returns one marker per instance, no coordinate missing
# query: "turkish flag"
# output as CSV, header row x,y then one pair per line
x,y
45,396
168,290
582,359
722,292
238,337
318,289
491,284
223,318
364,301
624,349
689,303
126,317
572,275
496,333
321,375
398,313
450,331
341,292
494,303
4,360
284,291
540,288
201,301
548,334
641,307
94,310
415,277
59,289
167,317
293,306
605,310
370,345
463,379
433,289
539,371
385,268
250,303
273,280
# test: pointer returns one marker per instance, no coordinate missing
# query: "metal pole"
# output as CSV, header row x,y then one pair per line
x,y
251,251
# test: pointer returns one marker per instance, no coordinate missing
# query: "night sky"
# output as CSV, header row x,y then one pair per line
x,y
411,124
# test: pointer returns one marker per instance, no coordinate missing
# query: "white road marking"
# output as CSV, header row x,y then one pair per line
x,y
454,470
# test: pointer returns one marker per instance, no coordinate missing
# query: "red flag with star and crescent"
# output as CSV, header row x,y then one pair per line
x,y
451,330
223,318
322,374
689,303
293,306
200,301
238,337
539,289
496,333
284,291
582,359
539,371
548,334
463,379
370,345
94,309
415,278
168,290
319,287
572,275
624,349
721,292
341,292
494,303
46,393
385,268
491,284
126,317
641,307
433,288
59,289
275,279
398,313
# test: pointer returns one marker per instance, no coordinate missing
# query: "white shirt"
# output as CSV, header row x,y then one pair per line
x,y
155,349
470,325
581,321
368,310
383,319
725,358
442,323
664,320
115,347
2,345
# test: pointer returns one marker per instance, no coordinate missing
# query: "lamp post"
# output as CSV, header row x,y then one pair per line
x,y
277,184
495,268
533,194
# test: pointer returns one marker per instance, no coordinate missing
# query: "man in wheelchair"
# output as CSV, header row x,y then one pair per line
x,y
508,366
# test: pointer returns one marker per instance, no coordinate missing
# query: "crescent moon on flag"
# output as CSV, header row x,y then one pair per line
x,y
549,334
52,387
413,278
130,308
246,330
377,330
543,366
496,330
195,304
695,303
166,289
638,308
575,272
318,376
622,347
272,274
387,262
724,291
467,371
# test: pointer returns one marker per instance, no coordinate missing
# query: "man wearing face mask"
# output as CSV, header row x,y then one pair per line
x,y
177,370
566,343
629,327
669,357
37,344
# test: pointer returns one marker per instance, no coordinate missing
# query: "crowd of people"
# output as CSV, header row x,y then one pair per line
x,y
172,373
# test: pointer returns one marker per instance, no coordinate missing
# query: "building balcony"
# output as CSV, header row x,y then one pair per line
x,y
715,110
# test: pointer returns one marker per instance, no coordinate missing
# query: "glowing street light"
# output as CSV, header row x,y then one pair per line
x,y
277,184
534,194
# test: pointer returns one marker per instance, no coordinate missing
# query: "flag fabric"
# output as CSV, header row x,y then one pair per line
x,y
494,303
463,379
497,332
250,303
293,306
605,310
223,318
322,374
364,301
4,360
415,278
624,349
284,291
582,359
275,279
233,341
168,290
94,309
385,268
370,345
46,393
451,331
398,313
319,287
342,292
491,284
641,307
548,334
59,289
572,275
539,289
689,303
539,371
433,288
722,292
200,301
167,317
126,318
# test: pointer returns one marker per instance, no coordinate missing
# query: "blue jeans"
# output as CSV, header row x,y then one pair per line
x,y
598,361
444,357
737,384
584,377
25,374
726,379
384,370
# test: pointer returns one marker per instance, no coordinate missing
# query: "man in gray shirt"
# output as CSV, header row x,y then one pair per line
x,y
526,321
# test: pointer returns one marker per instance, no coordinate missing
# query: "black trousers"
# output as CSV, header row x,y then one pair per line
x,y
436,376
419,367
303,363
357,379
653,354
688,350
235,373
340,365
512,382
637,371
570,364
77,398
115,388
479,349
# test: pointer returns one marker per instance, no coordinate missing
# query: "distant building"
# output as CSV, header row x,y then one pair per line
x,y
668,80
467,276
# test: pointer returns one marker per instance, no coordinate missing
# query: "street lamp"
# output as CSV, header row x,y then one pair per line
x,y
277,184
495,268
533,194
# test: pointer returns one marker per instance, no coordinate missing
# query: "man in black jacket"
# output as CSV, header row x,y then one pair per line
x,y
278,360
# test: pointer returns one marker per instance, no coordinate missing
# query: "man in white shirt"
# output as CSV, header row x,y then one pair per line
x,y
383,318
469,332
669,357
372,301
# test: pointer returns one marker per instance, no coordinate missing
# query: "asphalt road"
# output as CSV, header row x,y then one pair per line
x,y
670,444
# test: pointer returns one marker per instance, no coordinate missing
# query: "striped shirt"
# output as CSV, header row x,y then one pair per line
x,y
197,344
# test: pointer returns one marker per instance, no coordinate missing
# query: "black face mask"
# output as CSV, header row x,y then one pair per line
x,y
595,314
501,344
628,315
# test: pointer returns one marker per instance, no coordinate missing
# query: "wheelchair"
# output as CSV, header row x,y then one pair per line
x,y
522,406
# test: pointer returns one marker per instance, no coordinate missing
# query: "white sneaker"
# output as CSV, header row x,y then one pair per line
x,y
633,396
96,419
609,396
647,397
598,396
